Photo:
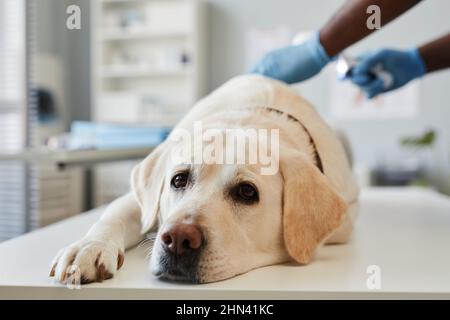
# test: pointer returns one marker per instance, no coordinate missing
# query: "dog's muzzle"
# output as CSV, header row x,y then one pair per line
x,y
182,245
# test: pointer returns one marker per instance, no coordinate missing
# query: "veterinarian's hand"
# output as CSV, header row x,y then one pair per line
x,y
294,63
87,260
402,66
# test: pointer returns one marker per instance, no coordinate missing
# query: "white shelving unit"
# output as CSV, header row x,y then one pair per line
x,y
147,68
149,53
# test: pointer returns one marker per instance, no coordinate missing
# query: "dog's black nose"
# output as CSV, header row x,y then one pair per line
x,y
182,238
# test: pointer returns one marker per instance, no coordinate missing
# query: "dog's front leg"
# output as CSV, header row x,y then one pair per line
x,y
100,252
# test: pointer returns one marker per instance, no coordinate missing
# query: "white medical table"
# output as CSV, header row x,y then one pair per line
x,y
405,233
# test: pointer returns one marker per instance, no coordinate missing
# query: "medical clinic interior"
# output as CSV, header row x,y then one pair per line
x,y
89,88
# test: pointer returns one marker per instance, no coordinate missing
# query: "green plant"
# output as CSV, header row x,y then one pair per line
x,y
422,141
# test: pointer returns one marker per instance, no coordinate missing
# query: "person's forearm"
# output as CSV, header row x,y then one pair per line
x,y
436,54
349,24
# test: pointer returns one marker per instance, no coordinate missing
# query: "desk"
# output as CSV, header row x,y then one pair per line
x,y
82,157
406,232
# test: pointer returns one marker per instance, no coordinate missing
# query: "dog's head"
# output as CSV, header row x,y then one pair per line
x,y
219,220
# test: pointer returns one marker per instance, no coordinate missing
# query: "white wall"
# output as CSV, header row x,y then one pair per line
x,y
231,19
71,47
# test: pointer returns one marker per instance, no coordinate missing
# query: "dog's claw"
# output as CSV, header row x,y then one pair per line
x,y
52,271
101,270
120,259
102,273
87,261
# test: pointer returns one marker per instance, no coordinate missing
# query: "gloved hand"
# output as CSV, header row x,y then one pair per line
x,y
402,66
294,63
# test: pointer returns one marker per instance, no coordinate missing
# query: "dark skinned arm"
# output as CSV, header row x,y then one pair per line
x,y
348,25
436,54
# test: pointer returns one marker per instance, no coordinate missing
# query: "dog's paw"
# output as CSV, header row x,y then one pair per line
x,y
87,261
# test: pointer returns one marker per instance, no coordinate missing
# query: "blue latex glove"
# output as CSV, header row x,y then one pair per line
x,y
295,63
402,66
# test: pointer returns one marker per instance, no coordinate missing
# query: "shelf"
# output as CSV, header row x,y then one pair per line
x,y
130,72
124,1
64,158
133,1
130,1
141,33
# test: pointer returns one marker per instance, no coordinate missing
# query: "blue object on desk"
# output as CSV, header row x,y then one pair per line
x,y
92,135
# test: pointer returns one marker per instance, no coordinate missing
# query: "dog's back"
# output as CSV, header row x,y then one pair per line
x,y
257,91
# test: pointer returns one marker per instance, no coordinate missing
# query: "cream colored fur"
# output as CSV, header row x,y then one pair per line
x,y
300,208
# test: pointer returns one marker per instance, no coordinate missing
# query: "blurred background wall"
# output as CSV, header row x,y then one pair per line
x,y
71,48
230,19
228,24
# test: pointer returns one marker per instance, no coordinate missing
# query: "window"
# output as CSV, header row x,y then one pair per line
x,y
13,101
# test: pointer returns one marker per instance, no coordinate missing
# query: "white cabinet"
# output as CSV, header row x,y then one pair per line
x,y
57,194
147,59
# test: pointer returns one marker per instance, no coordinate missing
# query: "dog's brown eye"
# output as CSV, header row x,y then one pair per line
x,y
247,193
180,180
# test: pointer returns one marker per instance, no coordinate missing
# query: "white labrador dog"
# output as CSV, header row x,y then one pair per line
x,y
215,221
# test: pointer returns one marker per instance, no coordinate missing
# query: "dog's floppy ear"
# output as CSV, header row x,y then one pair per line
x,y
311,208
147,181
